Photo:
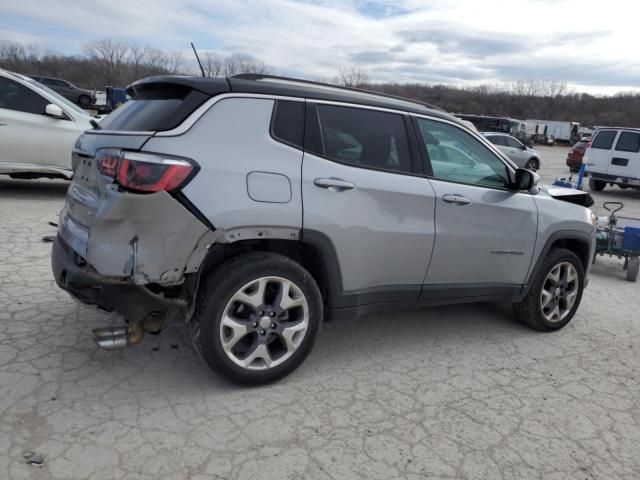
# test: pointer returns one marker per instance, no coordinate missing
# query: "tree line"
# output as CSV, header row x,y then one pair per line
x,y
115,62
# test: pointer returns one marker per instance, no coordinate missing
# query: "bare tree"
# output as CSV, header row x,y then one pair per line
x,y
235,64
212,63
175,62
137,57
110,59
352,77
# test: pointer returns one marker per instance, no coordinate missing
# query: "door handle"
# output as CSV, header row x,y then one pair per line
x,y
333,184
2,124
456,199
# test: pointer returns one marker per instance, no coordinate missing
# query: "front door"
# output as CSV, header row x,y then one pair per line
x,y
485,233
27,135
359,194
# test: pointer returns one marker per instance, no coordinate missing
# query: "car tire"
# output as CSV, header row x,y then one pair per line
x,y
597,185
532,164
84,101
555,295
259,341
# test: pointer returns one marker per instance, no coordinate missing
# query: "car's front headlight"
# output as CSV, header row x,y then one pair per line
x,y
594,218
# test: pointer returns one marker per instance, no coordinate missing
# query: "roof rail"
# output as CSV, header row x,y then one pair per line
x,y
260,76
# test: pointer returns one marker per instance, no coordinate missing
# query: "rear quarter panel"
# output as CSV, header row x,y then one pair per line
x,y
229,142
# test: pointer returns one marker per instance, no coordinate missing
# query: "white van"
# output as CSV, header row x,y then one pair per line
x,y
614,158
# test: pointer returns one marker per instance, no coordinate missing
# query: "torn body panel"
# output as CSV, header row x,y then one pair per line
x,y
148,238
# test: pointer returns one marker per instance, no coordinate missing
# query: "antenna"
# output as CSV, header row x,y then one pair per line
x,y
198,59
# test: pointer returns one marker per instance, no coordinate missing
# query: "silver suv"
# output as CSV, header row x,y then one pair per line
x,y
253,207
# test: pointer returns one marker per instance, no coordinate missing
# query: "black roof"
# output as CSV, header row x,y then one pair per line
x,y
290,87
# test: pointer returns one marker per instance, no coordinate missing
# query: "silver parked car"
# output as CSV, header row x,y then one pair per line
x,y
519,153
253,207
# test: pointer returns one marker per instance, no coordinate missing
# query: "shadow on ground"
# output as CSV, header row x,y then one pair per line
x,y
32,189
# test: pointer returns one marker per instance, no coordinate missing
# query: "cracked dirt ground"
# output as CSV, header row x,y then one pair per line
x,y
452,392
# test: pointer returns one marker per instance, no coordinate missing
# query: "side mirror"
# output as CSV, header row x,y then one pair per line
x,y
54,111
525,179
523,147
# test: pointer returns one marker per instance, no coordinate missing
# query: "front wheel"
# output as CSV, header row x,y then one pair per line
x,y
555,295
532,164
256,318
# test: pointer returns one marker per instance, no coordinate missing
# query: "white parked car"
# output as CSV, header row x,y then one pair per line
x,y
38,129
519,153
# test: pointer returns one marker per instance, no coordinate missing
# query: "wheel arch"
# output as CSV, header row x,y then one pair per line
x,y
577,242
314,251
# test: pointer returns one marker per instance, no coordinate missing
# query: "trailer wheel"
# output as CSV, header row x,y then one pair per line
x,y
632,269
597,185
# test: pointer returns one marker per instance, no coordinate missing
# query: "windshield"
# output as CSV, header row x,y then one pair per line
x,y
59,98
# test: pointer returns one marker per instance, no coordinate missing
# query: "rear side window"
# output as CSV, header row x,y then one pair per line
x,y
628,142
287,123
604,140
155,109
364,138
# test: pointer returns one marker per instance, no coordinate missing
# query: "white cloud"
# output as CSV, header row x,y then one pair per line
x,y
457,42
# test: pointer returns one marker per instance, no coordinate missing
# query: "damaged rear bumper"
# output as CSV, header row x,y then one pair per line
x,y
134,302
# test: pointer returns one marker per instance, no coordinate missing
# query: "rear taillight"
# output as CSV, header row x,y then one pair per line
x,y
145,172
107,160
151,173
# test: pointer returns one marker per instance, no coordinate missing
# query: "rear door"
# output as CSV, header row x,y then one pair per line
x,y
625,161
485,233
361,196
599,154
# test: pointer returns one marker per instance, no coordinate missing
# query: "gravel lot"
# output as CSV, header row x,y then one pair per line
x,y
455,392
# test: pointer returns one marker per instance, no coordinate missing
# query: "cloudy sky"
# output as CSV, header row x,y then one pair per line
x,y
592,45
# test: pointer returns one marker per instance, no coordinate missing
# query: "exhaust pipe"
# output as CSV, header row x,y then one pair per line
x,y
113,338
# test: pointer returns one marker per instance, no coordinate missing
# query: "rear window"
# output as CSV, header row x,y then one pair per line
x,y
628,142
604,140
157,109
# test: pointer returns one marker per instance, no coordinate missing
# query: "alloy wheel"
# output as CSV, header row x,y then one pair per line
x,y
559,292
264,323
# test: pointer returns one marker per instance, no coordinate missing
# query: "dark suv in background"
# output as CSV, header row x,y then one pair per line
x,y
77,95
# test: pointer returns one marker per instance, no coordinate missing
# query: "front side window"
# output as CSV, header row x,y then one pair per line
x,y
19,98
366,138
512,142
497,140
456,156
604,140
628,142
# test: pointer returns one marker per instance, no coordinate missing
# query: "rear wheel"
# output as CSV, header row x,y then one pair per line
x,y
256,318
532,164
554,297
84,101
597,185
